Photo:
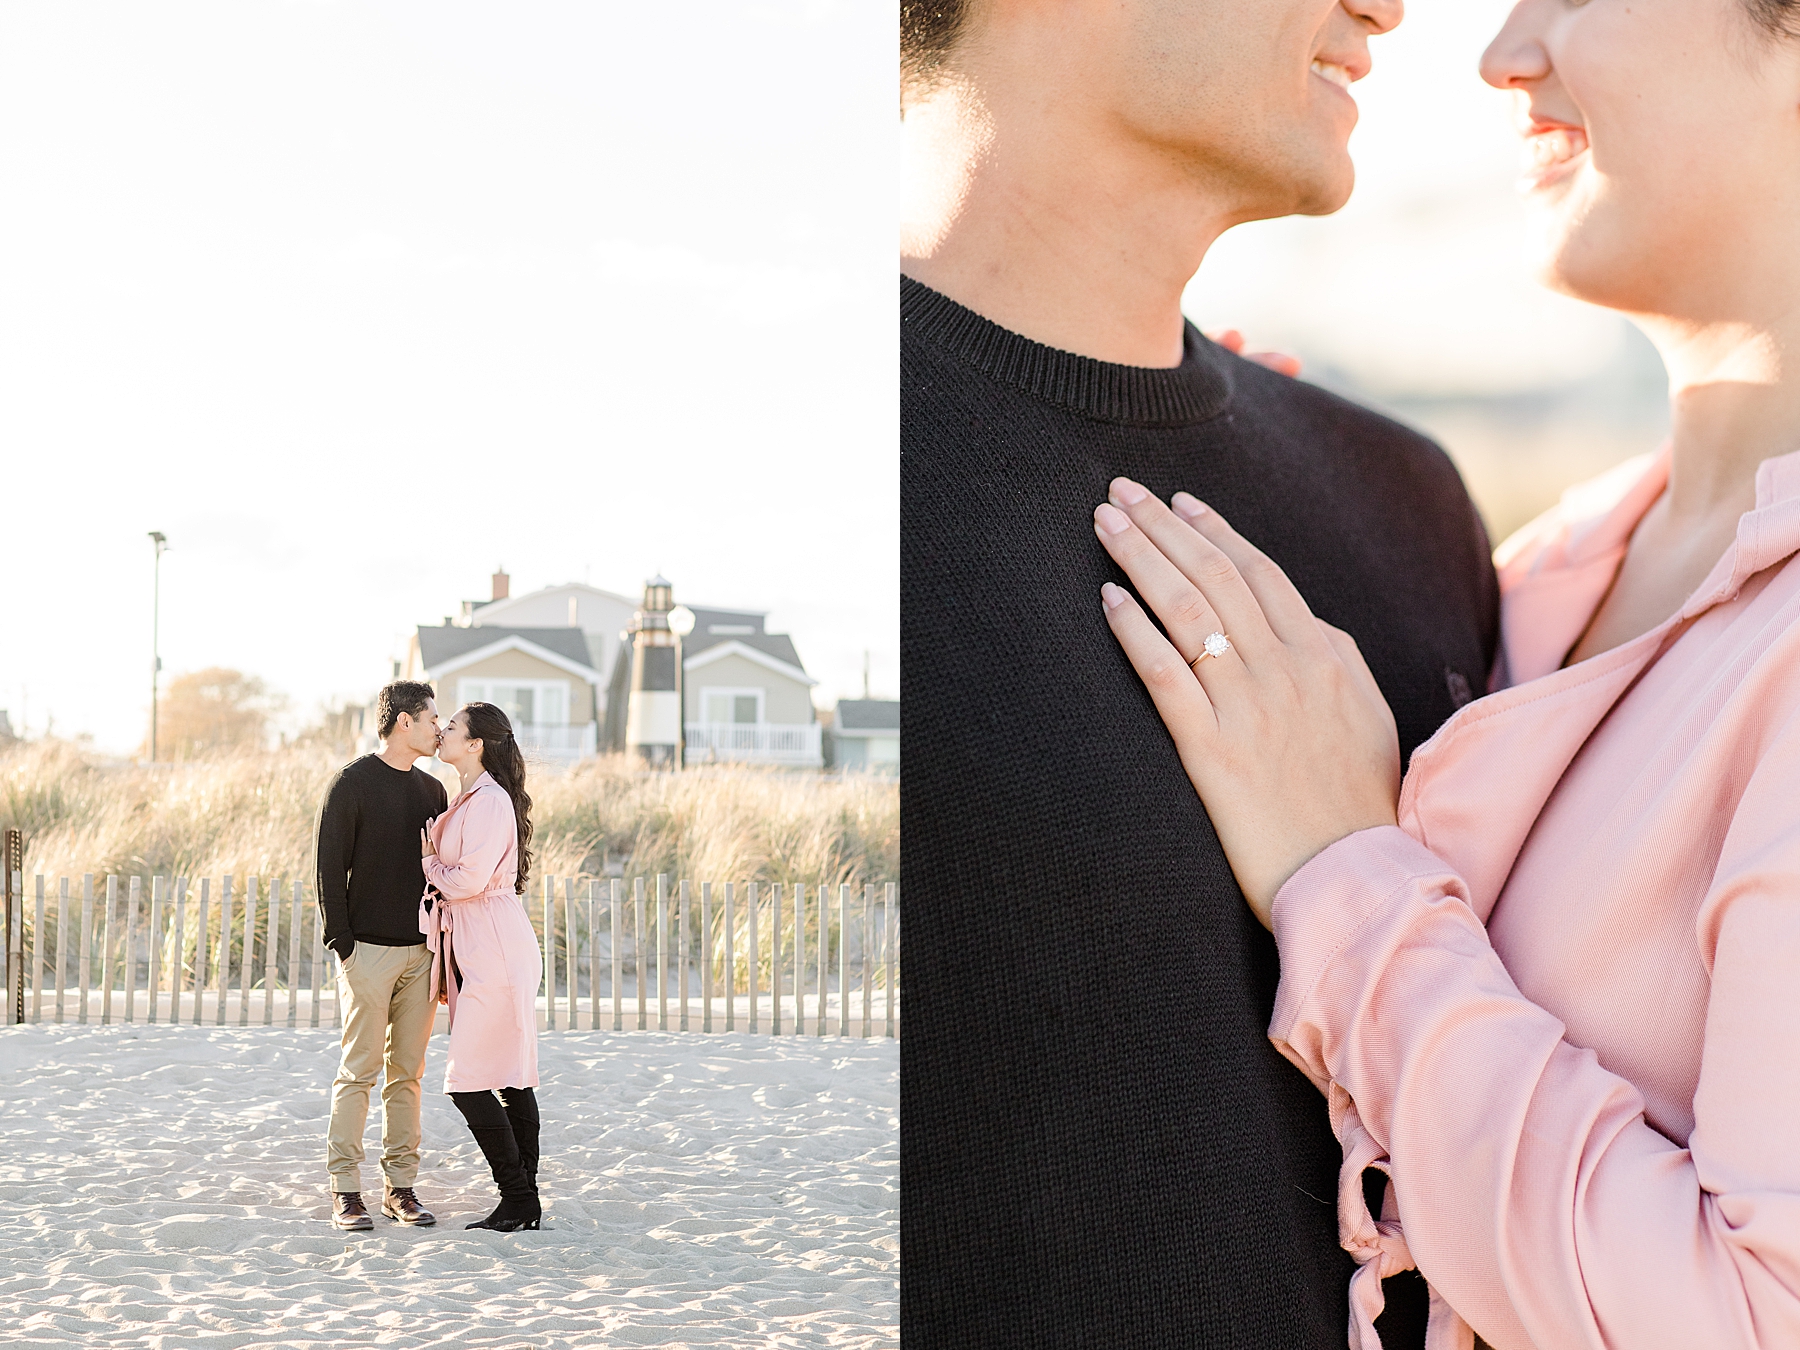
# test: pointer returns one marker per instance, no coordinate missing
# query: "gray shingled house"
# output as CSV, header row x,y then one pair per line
x,y
747,698
865,734
542,677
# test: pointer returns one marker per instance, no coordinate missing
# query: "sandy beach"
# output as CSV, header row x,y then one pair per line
x,y
164,1186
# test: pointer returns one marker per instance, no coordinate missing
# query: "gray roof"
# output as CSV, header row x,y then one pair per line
x,y
438,645
713,626
778,645
867,714
705,619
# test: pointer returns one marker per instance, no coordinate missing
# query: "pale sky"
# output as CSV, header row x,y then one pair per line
x,y
355,301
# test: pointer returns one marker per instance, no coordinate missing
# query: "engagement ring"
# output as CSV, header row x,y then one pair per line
x,y
1216,644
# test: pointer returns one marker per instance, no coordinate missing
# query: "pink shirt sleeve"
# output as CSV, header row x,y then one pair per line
x,y
481,835
1533,1194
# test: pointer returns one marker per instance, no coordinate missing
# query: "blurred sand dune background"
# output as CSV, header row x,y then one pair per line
x,y
1417,298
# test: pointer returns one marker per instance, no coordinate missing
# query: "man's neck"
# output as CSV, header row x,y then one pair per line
x,y
1031,221
397,756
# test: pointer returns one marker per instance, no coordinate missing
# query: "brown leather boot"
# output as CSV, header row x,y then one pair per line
x,y
399,1202
348,1211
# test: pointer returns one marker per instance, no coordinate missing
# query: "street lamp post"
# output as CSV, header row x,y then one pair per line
x,y
161,542
681,623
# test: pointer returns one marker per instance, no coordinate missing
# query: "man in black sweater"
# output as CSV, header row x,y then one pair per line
x,y
369,884
1099,1146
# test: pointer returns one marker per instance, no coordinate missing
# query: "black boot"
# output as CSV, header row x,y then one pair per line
x,y
522,1114
518,1207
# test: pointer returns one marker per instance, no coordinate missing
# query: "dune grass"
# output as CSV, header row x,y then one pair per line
x,y
254,813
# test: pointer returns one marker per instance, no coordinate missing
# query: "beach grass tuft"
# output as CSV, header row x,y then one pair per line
x,y
253,813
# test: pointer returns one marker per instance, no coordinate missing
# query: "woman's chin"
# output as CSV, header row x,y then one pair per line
x,y
1598,280
1590,246
1566,255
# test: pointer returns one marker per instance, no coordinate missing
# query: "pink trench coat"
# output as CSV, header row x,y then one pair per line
x,y
479,927
1560,1004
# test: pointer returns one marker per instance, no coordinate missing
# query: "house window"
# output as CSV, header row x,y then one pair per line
x,y
741,707
525,702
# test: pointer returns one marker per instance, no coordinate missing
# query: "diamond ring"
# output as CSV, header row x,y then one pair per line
x,y
1216,644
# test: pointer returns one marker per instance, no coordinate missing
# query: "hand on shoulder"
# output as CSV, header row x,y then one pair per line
x,y
1234,342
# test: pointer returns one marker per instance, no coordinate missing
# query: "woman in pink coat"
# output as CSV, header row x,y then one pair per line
x,y
486,962
1551,987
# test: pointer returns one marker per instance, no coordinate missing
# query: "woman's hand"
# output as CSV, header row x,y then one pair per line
x,y
1283,731
426,847
1279,362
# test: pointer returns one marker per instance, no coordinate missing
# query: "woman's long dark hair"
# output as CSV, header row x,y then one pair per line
x,y
501,757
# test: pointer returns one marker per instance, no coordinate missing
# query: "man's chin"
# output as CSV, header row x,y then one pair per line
x,y
1312,185
1329,189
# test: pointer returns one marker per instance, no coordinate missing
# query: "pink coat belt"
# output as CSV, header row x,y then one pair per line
x,y
437,922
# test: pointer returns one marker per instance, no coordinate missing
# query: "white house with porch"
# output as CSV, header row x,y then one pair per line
x,y
746,696
558,660
601,616
540,677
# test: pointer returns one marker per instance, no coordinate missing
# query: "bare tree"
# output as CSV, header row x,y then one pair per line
x,y
216,709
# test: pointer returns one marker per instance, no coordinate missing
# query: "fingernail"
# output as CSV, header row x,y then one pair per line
x,y
1187,505
1112,596
1126,492
1111,519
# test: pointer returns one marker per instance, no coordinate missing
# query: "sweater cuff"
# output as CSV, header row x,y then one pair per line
x,y
1320,910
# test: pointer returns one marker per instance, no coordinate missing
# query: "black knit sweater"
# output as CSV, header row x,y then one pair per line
x,y
369,877
1099,1145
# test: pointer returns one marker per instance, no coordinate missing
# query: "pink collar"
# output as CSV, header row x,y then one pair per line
x,y
1555,571
459,801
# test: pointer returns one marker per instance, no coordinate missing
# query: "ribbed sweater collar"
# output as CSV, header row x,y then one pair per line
x,y
1197,390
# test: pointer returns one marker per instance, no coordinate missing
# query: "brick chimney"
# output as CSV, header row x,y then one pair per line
x,y
502,585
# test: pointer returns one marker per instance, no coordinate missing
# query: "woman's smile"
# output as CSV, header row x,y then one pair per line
x,y
1552,152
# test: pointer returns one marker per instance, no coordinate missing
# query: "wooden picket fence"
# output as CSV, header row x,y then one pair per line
x,y
793,959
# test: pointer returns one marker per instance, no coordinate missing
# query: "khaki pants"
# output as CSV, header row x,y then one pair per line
x,y
386,997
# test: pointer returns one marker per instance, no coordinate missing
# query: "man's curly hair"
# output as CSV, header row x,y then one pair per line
x,y
928,32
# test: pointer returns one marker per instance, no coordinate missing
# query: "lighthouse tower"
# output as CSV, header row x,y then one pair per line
x,y
653,712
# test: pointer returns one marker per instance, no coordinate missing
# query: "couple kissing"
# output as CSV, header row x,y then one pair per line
x,y
421,900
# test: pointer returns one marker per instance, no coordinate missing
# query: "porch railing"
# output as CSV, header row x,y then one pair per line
x,y
546,741
754,743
